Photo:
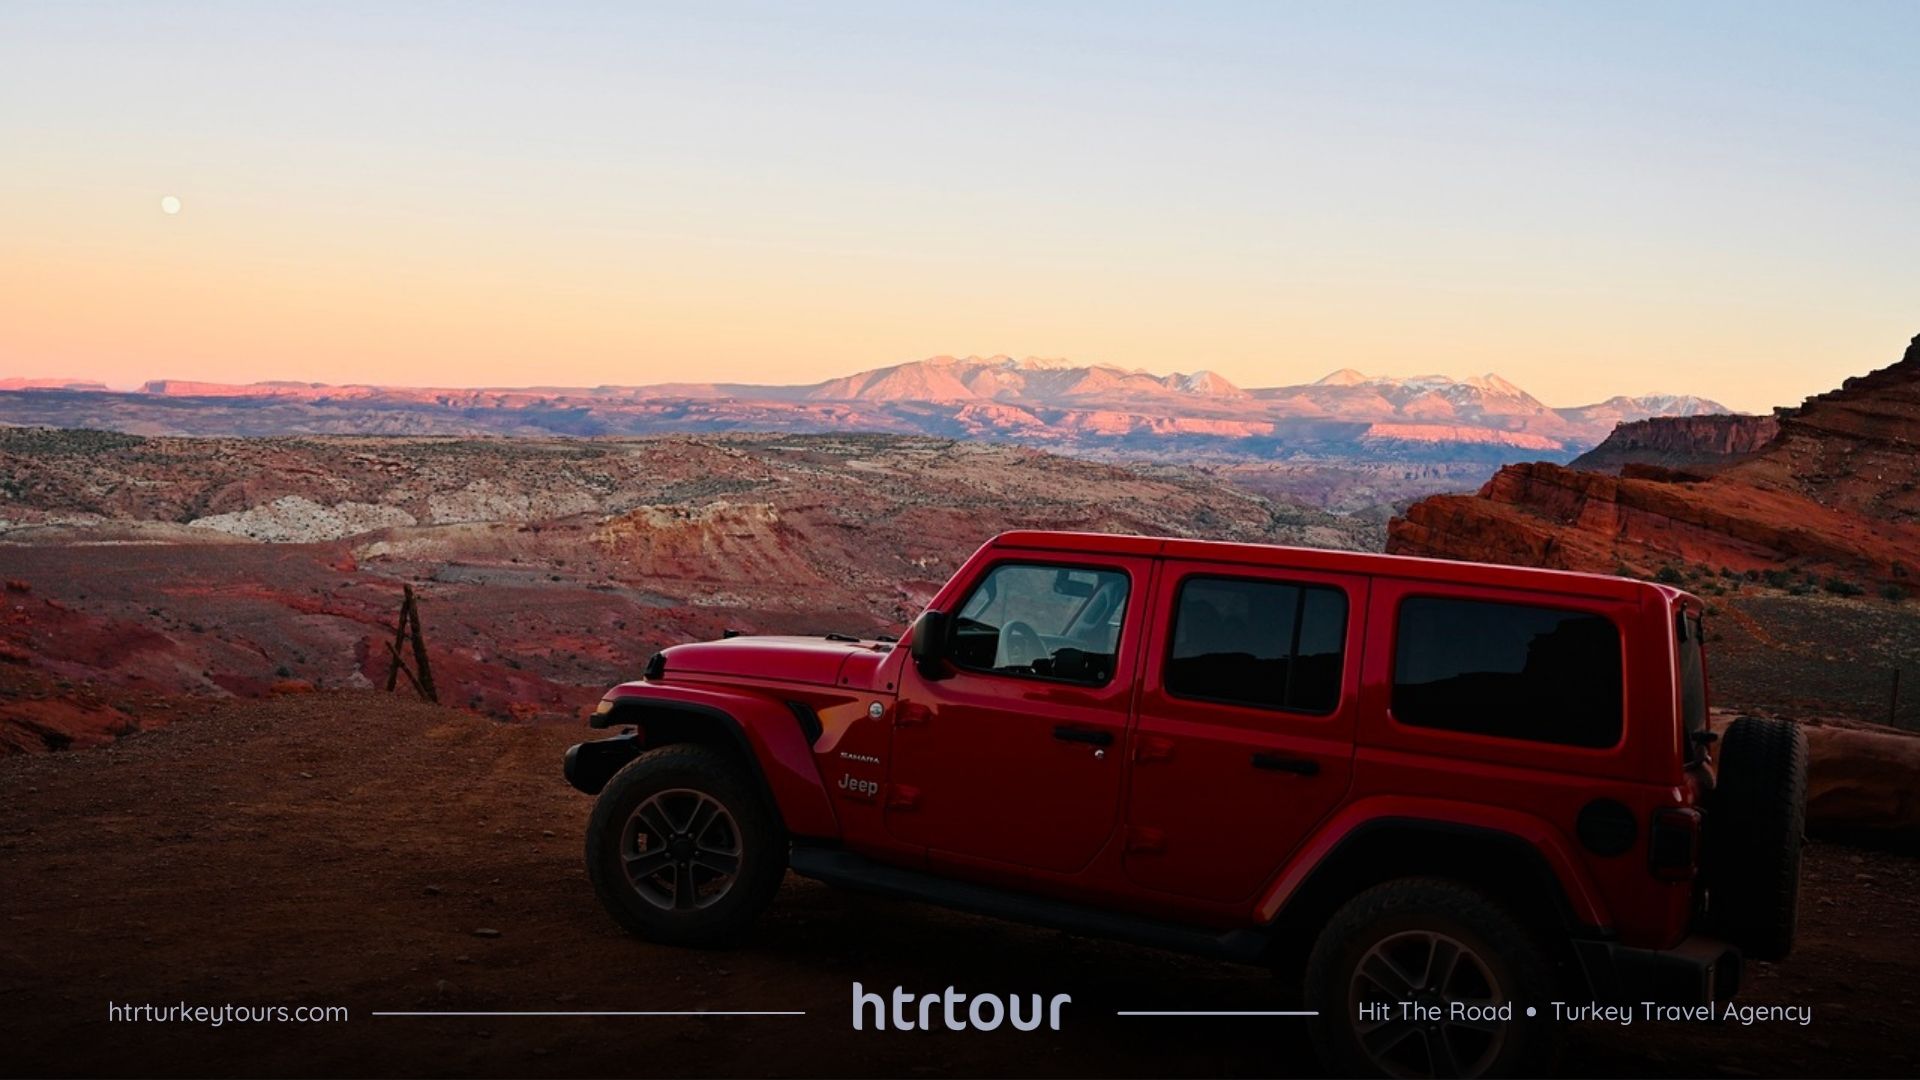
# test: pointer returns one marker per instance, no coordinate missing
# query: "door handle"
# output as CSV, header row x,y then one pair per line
x,y
1068,733
1294,765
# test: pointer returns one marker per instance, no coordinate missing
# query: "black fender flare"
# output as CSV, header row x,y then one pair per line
x,y
797,796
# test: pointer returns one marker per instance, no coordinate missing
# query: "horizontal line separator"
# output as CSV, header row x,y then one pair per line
x,y
674,1012
1218,1012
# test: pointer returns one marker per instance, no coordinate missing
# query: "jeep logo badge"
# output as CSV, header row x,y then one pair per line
x,y
863,789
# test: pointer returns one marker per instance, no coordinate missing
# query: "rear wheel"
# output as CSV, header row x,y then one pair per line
x,y
682,849
1424,977
1756,825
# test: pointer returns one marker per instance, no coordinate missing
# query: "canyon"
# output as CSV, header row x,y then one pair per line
x,y
142,570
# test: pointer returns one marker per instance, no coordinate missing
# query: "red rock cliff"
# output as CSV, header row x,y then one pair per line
x,y
1692,443
1838,487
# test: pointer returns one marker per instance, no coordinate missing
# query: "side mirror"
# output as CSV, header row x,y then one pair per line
x,y
929,642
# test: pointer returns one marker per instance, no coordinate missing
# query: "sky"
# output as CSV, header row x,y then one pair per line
x,y
1721,199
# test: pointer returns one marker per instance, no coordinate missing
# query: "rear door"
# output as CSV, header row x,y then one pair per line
x,y
1244,740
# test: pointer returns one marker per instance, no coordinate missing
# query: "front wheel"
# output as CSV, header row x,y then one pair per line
x,y
682,849
1424,977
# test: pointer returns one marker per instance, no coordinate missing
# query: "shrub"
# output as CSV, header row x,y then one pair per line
x,y
1842,587
1779,579
1893,592
1669,575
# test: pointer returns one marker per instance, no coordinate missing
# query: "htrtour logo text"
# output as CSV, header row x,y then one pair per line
x,y
957,1011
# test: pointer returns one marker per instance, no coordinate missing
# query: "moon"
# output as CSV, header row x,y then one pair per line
x,y
169,204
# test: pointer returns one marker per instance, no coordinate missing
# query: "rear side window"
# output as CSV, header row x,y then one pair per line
x,y
1509,670
1261,643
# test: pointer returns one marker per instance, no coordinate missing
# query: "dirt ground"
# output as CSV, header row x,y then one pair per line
x,y
348,849
1816,655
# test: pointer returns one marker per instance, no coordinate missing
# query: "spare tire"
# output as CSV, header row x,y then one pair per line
x,y
1756,823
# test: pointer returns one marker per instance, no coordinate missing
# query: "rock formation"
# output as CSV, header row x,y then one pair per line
x,y
1699,444
1833,491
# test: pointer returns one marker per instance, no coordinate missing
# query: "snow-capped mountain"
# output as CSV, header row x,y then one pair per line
x,y
1003,378
1622,409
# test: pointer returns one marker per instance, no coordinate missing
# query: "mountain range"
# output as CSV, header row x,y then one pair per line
x,y
1092,408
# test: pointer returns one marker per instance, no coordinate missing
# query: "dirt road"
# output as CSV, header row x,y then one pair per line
x,y
351,849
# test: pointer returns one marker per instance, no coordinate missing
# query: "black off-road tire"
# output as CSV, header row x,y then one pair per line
x,y
762,843
1403,910
1756,825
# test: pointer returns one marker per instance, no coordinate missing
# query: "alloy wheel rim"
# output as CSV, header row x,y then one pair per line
x,y
681,850
1430,969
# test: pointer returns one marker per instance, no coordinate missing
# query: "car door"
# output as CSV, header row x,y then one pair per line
x,y
1244,737
1012,755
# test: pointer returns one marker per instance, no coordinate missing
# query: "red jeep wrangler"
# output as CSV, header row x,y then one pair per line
x,y
1405,780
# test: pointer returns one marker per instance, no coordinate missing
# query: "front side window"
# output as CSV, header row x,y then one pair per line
x,y
1052,621
1262,643
1510,670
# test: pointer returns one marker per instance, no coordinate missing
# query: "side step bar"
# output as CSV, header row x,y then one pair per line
x,y
850,871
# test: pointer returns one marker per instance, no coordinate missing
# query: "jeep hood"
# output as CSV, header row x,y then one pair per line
x,y
812,660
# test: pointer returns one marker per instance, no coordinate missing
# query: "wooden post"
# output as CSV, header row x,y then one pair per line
x,y
400,667
399,639
420,652
409,630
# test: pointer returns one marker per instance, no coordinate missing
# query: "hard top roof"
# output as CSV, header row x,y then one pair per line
x,y
1335,562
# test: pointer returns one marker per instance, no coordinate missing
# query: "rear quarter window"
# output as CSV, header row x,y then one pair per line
x,y
1511,671
1689,635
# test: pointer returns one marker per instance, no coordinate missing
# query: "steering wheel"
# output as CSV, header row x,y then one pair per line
x,y
1022,645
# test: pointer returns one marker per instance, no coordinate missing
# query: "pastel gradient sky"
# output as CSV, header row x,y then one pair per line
x,y
1712,198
